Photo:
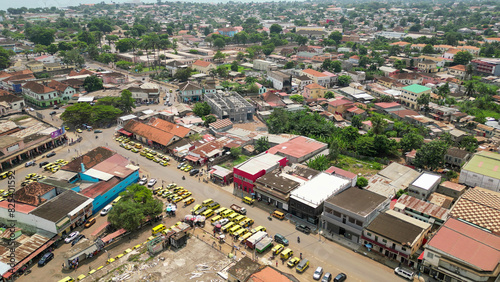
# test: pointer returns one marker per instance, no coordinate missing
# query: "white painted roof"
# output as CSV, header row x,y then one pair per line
x,y
426,181
86,99
101,175
264,161
319,188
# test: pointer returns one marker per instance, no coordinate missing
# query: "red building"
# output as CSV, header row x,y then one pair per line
x,y
246,173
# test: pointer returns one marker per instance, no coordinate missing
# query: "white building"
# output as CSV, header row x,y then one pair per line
x,y
424,185
482,170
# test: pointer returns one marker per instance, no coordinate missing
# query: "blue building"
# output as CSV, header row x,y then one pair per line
x,y
103,175
227,31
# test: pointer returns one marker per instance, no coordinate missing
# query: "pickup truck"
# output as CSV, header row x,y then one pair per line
x,y
238,209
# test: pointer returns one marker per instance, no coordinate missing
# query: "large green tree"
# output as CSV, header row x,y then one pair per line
x,y
262,144
201,109
137,204
5,56
411,141
431,155
469,143
462,58
344,80
92,83
77,114
40,35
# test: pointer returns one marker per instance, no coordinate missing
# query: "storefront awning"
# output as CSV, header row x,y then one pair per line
x,y
191,158
124,132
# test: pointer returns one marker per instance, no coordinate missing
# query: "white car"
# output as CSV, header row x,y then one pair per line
x,y
152,182
71,237
223,221
106,209
143,181
318,273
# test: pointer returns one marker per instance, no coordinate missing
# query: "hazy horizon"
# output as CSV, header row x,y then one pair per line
x,y
4,5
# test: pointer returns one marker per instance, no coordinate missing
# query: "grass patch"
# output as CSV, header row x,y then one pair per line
x,y
352,164
240,68
232,163
19,118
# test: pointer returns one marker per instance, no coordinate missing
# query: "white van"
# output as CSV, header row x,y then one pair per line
x,y
408,274
106,209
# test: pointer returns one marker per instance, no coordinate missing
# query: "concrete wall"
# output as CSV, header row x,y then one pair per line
x,y
473,179
102,200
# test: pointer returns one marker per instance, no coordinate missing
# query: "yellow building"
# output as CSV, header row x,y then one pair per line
x,y
314,91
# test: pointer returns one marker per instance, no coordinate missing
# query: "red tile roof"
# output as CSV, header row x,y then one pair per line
x,y
221,123
314,73
468,244
37,88
314,86
175,129
269,273
385,105
115,165
356,110
339,102
458,67
297,147
453,186
341,172
100,188
149,132
201,63
89,160
59,86
31,193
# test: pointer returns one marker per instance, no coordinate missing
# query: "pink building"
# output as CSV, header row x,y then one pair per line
x,y
248,172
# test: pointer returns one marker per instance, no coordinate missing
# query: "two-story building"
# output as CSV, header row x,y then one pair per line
x,y
458,71
306,201
460,251
424,185
35,66
314,91
281,81
422,210
410,94
318,77
40,95
246,173
482,170
347,213
190,91
395,235
10,103
65,91
203,66
456,157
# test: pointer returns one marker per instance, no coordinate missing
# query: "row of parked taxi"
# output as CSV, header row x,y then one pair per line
x,y
174,193
149,154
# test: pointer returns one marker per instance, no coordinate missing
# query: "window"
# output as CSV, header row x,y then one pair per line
x,y
384,240
430,255
337,214
351,220
369,234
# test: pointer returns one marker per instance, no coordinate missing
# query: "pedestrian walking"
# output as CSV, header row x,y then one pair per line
x,y
276,263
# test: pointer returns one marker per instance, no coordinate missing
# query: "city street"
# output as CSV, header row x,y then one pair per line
x,y
321,252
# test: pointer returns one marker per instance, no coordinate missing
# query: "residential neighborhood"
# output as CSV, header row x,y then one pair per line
x,y
250,141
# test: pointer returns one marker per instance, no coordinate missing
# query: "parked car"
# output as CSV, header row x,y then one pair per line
x,y
53,113
303,228
45,259
51,154
71,237
194,171
327,277
106,210
281,239
30,163
97,131
318,273
152,182
340,277
42,164
77,239
90,222
180,165
143,181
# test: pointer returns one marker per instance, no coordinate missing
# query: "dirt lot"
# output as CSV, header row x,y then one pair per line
x,y
256,125
196,260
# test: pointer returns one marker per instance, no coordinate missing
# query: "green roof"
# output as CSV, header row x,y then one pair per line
x,y
416,88
485,163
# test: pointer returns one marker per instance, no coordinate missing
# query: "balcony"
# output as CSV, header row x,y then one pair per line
x,y
384,247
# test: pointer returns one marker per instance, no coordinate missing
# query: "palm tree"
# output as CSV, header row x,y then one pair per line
x,y
469,88
469,71
378,124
